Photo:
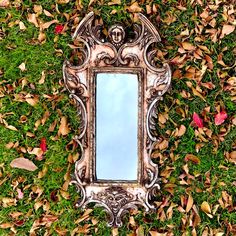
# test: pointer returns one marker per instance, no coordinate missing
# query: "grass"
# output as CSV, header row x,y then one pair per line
x,y
212,177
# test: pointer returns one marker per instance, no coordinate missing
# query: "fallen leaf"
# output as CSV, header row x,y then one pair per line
x,y
22,26
43,76
220,118
181,131
38,152
4,3
58,29
43,145
114,2
205,207
20,194
7,224
188,46
38,9
48,24
134,8
32,19
189,203
23,163
11,127
227,29
197,120
193,158
63,129
41,37
32,100
22,66
47,13
62,1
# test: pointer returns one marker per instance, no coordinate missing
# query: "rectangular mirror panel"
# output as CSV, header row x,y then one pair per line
x,y
116,126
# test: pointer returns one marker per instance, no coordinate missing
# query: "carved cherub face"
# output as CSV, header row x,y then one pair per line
x,y
117,34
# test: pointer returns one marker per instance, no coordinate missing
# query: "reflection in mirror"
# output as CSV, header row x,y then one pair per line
x,y
116,126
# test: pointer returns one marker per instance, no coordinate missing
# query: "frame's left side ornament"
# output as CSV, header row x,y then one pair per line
x,y
116,53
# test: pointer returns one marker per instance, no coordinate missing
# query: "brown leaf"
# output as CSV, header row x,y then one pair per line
x,y
48,24
193,158
91,2
227,29
8,224
181,131
114,2
188,46
189,203
134,8
32,100
41,37
32,19
38,9
205,207
63,129
4,3
23,163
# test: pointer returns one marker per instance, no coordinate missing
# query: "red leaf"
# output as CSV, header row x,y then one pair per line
x,y
220,117
58,29
197,120
43,145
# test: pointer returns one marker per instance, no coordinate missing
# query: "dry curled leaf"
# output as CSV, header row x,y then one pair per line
x,y
227,29
23,163
48,24
22,66
4,3
189,203
32,19
134,8
205,207
193,158
64,128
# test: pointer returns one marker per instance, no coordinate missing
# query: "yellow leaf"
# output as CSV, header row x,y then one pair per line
x,y
205,207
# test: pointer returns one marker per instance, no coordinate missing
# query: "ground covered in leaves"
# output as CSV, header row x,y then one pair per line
x,y
197,122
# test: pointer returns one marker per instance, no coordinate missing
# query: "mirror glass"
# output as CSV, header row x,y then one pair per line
x,y
116,126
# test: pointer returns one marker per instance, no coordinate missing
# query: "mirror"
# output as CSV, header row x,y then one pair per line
x,y
116,86
116,126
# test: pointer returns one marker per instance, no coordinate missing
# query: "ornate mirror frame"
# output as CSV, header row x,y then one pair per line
x,y
117,54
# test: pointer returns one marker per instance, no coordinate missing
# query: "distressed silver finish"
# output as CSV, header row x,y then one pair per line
x,y
116,54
